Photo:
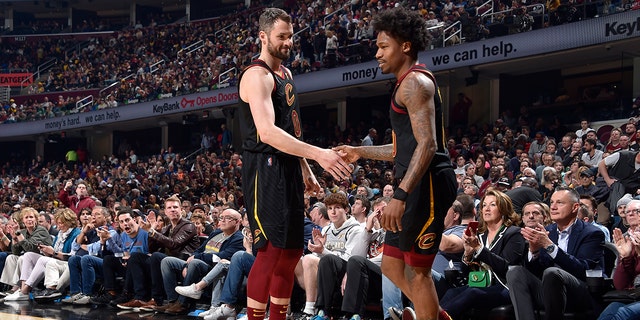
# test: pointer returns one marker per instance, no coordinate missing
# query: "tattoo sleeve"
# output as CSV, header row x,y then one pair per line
x,y
416,94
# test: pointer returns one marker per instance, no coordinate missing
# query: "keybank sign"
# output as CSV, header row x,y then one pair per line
x,y
622,28
564,37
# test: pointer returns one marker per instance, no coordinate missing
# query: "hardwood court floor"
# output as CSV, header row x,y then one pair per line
x,y
31,310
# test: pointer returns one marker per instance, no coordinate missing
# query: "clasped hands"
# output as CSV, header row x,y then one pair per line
x,y
537,237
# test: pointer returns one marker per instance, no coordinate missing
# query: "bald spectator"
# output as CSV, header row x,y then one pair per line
x,y
370,139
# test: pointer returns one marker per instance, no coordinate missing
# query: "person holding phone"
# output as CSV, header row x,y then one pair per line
x,y
134,239
461,213
34,264
495,243
83,269
22,241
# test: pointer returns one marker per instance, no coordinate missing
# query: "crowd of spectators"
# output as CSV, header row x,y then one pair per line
x,y
523,159
140,63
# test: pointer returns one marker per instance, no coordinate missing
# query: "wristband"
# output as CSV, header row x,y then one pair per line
x,y
400,194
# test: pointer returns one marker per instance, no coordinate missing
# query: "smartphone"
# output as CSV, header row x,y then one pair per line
x,y
472,226
246,232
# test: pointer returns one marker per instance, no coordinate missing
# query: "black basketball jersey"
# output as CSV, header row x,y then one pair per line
x,y
404,143
285,106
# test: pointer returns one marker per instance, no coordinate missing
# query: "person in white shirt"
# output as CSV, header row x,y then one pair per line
x,y
584,128
591,155
344,237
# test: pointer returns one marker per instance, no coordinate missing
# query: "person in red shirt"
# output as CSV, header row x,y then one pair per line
x,y
76,202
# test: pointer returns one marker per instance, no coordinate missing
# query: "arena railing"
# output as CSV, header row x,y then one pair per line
x,y
45,66
154,67
488,5
457,27
82,103
225,80
191,48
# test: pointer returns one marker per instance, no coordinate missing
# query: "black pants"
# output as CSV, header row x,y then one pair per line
x,y
112,268
556,292
331,270
364,283
138,270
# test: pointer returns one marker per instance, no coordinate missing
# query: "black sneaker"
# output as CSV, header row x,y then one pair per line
x,y
39,292
48,294
104,298
122,298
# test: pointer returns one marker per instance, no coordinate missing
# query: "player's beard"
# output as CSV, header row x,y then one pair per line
x,y
277,53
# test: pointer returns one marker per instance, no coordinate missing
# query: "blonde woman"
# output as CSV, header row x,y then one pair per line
x,y
22,240
34,264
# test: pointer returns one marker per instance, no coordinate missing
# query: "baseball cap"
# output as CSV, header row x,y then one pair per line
x,y
587,173
624,200
504,181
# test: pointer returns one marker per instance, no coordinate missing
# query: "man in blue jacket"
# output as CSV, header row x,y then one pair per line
x,y
221,245
553,277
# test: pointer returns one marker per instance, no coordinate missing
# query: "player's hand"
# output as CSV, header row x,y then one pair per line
x,y
391,218
348,153
334,164
311,185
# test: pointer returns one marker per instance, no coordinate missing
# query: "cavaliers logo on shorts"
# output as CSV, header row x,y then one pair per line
x,y
426,241
256,235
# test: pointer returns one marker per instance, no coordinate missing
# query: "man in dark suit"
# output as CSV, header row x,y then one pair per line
x,y
554,273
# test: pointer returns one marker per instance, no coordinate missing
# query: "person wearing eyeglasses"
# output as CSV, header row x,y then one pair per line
x,y
553,276
214,253
179,239
628,245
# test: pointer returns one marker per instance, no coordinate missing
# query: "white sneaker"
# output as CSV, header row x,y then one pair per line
x,y
82,299
189,291
17,296
222,312
207,312
72,298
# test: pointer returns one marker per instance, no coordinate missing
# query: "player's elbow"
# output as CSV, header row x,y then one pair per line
x,y
267,136
431,146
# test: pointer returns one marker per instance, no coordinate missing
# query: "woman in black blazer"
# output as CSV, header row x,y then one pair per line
x,y
496,245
